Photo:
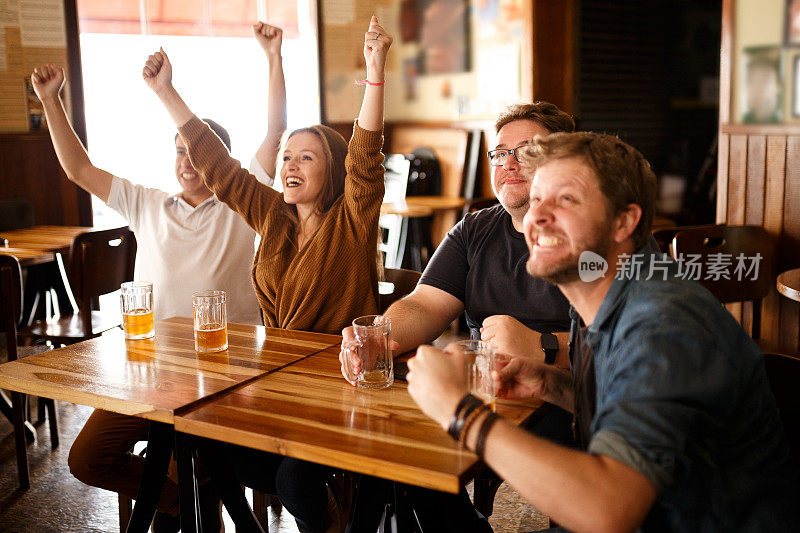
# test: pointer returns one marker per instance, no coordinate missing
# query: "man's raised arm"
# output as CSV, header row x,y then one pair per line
x,y
47,82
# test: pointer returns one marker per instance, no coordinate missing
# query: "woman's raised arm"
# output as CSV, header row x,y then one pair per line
x,y
376,44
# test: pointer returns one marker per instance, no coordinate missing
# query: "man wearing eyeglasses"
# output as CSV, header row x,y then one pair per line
x,y
479,268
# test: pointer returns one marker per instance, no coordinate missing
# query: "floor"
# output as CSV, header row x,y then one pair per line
x,y
57,502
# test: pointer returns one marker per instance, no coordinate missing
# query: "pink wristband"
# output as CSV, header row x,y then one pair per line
x,y
367,82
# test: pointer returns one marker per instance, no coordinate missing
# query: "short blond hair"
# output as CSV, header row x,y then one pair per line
x,y
624,174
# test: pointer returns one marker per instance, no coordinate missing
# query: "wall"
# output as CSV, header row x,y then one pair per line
x,y
494,79
759,167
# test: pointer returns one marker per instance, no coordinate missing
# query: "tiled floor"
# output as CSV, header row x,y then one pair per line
x,y
57,502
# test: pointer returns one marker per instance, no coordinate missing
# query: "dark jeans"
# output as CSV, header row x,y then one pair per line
x,y
300,485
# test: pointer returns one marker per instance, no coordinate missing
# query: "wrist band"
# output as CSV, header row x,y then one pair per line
x,y
467,404
473,416
480,443
367,82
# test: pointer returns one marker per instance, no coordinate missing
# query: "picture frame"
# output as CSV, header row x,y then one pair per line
x,y
792,90
762,85
792,28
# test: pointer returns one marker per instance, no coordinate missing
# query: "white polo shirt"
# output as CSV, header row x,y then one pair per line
x,y
182,249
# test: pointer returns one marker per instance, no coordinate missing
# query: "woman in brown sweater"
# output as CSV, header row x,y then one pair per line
x,y
315,268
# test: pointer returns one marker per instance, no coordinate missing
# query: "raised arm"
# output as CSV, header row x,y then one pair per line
x,y
157,73
376,44
47,82
270,39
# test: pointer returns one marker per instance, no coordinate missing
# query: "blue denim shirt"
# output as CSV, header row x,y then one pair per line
x,y
683,398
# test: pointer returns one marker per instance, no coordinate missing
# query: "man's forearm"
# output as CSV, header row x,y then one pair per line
x,y
414,324
581,491
71,153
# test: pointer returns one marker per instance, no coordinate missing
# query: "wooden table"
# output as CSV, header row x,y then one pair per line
x,y
157,378
308,411
415,208
40,247
55,239
28,256
789,284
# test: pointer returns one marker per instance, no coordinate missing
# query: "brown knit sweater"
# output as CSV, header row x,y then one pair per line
x,y
333,279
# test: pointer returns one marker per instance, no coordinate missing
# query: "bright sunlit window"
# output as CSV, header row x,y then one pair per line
x,y
222,78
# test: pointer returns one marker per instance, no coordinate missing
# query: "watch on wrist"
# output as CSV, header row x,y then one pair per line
x,y
549,347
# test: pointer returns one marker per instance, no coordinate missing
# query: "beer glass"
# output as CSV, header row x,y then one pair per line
x,y
480,363
371,349
210,321
136,301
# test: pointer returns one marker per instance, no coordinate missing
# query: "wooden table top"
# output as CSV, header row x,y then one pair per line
x,y
47,238
789,284
423,206
28,256
308,411
156,377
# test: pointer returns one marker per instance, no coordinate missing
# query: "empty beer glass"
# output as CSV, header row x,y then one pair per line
x,y
210,321
136,301
370,353
480,363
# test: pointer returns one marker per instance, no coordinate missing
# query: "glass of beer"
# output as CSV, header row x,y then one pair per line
x,y
136,300
371,351
480,363
210,321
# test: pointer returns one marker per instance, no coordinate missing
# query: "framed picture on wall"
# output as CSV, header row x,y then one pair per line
x,y
792,34
762,85
793,85
442,31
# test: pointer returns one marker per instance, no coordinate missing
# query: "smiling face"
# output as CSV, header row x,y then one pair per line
x,y
511,182
304,169
568,214
193,188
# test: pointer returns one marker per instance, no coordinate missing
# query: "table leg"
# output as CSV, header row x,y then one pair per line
x,y
6,407
156,463
22,450
187,483
213,457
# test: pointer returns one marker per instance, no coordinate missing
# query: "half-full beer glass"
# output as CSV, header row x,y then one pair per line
x,y
136,301
370,353
210,321
480,363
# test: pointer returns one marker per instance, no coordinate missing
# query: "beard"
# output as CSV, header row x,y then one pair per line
x,y
565,270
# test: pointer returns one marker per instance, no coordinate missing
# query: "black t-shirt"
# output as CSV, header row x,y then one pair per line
x,y
481,262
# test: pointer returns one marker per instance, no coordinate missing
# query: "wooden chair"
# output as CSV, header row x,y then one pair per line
x,y
733,240
99,262
403,281
15,409
783,372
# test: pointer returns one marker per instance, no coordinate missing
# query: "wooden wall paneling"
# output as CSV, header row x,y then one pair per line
x,y
737,177
754,201
30,169
551,45
773,223
790,243
723,151
725,63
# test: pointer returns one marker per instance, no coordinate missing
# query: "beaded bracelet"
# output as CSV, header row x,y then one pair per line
x,y
467,404
480,443
367,82
473,416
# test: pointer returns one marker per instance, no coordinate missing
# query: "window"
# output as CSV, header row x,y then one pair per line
x,y
218,68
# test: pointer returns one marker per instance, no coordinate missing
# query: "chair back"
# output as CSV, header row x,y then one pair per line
x,y
732,242
404,282
10,301
100,261
783,372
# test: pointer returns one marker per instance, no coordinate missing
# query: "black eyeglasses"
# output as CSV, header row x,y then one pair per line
x,y
498,158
